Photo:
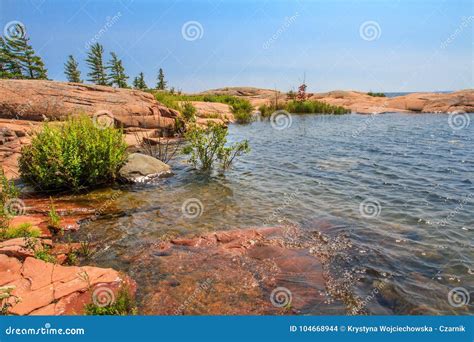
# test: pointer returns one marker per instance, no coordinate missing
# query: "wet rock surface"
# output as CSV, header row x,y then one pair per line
x,y
251,271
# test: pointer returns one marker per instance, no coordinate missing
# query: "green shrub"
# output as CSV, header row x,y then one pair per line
x,y
77,154
317,107
267,110
206,146
123,305
376,94
241,108
242,111
44,254
8,191
23,230
303,107
189,112
54,220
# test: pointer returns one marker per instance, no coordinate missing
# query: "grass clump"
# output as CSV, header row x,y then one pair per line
x,y
303,107
207,146
241,108
123,305
376,94
74,155
317,107
23,230
44,253
8,191
54,220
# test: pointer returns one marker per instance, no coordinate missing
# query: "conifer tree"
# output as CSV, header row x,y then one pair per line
x,y
117,72
161,80
94,61
18,59
71,69
139,82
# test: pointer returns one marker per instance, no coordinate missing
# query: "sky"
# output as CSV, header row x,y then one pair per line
x,y
365,45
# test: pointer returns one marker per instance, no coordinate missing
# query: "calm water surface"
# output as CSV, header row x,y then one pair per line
x,y
399,186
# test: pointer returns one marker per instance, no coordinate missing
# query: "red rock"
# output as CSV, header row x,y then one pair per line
x,y
9,269
32,300
36,100
18,248
42,288
38,272
229,272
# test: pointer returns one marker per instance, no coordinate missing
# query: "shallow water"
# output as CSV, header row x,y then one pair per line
x,y
399,186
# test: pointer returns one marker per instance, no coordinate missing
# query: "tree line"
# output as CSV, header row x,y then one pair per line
x,y
18,60
110,74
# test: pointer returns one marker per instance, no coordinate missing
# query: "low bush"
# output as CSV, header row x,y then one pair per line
x,y
317,107
241,108
242,111
207,146
376,94
188,111
73,155
303,107
8,191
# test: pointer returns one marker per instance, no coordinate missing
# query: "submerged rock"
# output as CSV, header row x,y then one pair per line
x,y
141,167
250,271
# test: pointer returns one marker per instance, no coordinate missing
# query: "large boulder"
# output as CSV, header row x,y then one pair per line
x,y
140,167
37,100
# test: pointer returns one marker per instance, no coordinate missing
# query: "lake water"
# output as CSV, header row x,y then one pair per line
x,y
399,187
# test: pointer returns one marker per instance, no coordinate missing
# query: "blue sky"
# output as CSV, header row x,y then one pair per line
x,y
418,45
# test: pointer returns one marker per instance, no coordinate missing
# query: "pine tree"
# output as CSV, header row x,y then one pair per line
x,y
72,71
94,61
18,60
4,60
139,82
161,80
117,72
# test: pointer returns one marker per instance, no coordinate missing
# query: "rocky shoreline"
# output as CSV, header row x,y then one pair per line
x,y
38,287
261,258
